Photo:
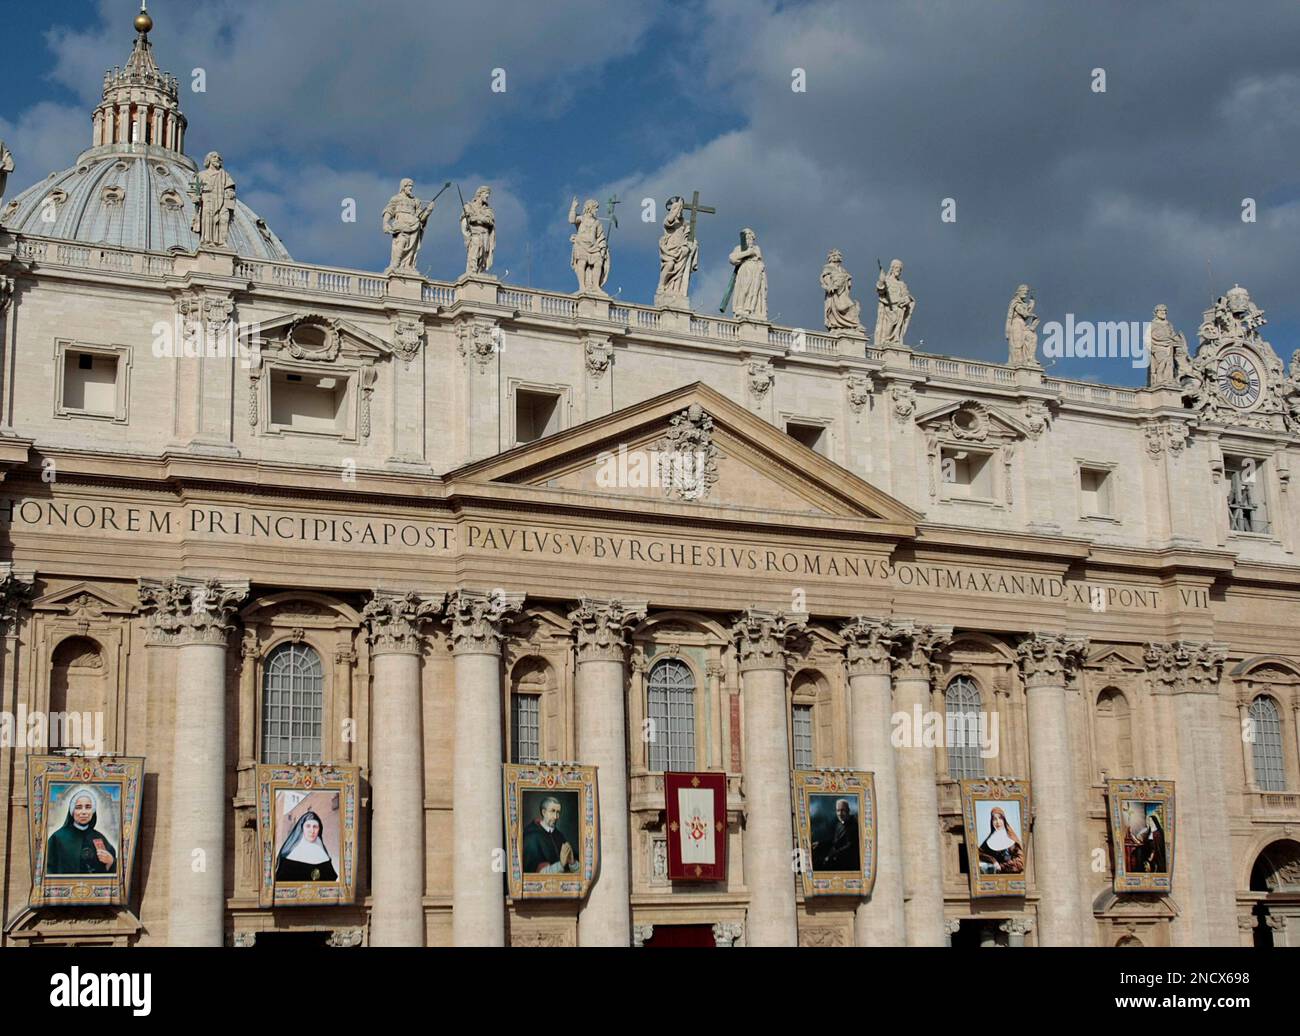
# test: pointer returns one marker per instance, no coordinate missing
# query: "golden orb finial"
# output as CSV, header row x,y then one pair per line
x,y
143,23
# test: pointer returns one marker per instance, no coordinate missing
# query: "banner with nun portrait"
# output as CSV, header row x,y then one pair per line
x,y
307,832
1142,829
83,826
996,815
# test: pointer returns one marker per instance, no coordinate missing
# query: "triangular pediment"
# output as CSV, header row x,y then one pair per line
x,y
84,600
971,420
306,335
691,448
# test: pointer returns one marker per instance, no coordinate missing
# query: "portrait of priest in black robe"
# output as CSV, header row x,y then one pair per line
x,y
546,848
78,847
838,850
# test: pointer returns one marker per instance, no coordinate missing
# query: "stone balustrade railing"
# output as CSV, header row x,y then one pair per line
x,y
533,302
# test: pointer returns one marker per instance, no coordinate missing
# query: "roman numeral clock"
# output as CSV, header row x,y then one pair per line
x,y
1240,378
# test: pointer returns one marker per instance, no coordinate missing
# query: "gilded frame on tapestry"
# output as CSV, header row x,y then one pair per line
x,y
828,869
997,854
1143,830
542,861
300,866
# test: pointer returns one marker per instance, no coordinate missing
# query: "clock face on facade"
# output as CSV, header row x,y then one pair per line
x,y
1240,380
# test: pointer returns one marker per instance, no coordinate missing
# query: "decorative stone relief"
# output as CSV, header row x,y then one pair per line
x,y
1185,665
6,292
761,376
368,378
1050,658
601,627
345,937
860,387
728,933
314,338
688,456
190,611
762,637
478,617
640,933
476,341
15,595
408,336
1161,436
904,397
394,618
915,647
600,354
868,645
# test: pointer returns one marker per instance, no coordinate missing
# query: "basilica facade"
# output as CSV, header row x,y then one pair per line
x,y
258,514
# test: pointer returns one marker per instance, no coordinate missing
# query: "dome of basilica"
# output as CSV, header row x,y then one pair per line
x,y
131,188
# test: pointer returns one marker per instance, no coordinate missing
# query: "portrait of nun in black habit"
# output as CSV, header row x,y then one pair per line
x,y
78,847
303,856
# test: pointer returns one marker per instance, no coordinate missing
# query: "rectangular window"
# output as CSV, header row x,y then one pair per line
x,y
803,737
1095,495
537,415
966,473
90,383
811,435
1247,509
308,402
525,728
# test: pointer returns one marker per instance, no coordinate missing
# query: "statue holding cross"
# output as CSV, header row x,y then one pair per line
x,y
679,252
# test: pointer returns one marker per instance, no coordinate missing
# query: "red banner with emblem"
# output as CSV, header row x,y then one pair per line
x,y
697,826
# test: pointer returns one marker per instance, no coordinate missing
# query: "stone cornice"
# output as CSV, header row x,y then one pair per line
x,y
761,638
1048,659
1185,666
394,619
478,618
185,610
601,627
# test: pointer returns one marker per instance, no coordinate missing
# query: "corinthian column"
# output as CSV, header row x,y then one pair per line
x,y
394,619
915,647
478,830
867,645
1187,675
600,628
195,616
769,835
1046,661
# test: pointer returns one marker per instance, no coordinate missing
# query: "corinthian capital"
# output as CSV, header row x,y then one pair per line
x,y
915,647
478,618
761,637
869,645
1047,659
1185,665
601,627
15,595
191,611
394,619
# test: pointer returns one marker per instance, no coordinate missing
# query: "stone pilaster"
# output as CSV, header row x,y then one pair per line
x,y
1047,661
478,622
1017,928
868,646
394,620
196,617
600,629
1187,676
761,639
913,659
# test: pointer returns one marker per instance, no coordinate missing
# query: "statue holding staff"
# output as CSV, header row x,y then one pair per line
x,y
679,253
590,256
896,306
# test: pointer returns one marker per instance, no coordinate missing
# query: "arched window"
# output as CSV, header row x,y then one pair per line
x,y
530,682
672,713
293,704
1267,752
1114,734
963,728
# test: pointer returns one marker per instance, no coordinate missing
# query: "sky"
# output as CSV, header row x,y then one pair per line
x,y
1106,202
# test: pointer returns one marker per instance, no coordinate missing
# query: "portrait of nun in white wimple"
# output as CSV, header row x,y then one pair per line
x,y
303,856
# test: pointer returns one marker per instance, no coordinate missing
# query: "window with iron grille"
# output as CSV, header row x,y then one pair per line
x,y
1246,506
525,728
672,713
962,728
293,704
1267,750
803,737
